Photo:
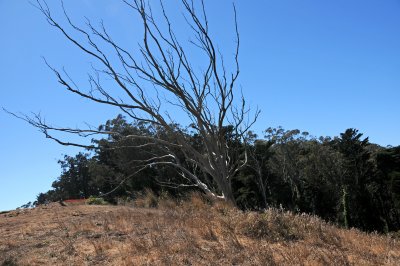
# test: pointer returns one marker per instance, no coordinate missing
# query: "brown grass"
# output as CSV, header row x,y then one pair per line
x,y
193,232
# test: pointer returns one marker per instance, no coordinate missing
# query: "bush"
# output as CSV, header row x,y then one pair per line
x,y
96,201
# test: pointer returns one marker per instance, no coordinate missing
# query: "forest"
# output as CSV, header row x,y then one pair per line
x,y
344,179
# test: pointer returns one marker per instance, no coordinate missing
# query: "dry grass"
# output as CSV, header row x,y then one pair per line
x,y
195,232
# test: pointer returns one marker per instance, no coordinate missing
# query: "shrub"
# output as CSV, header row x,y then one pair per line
x,y
96,201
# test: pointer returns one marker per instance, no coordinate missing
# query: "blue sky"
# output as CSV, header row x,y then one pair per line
x,y
319,66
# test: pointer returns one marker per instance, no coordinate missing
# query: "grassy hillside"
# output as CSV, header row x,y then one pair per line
x,y
191,233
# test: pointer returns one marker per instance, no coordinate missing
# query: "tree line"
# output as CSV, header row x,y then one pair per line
x,y
345,179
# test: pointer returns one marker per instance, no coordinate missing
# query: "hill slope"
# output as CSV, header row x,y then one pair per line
x,y
193,233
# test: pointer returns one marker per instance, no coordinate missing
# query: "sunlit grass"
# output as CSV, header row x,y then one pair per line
x,y
196,231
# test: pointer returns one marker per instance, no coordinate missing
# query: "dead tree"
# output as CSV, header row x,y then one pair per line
x,y
206,97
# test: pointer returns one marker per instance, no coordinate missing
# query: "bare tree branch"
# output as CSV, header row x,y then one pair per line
x,y
206,97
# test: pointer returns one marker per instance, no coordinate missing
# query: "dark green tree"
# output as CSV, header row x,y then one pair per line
x,y
356,206
75,180
388,168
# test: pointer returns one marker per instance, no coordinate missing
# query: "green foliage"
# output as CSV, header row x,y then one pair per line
x,y
96,201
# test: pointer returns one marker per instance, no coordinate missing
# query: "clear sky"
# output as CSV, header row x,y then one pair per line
x,y
318,66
